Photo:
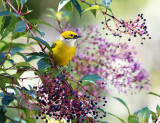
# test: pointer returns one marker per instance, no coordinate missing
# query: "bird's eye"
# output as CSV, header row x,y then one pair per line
x,y
71,35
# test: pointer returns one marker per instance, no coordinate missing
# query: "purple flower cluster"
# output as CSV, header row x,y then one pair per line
x,y
59,100
115,63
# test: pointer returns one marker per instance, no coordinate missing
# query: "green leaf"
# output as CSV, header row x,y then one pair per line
x,y
51,10
27,112
11,61
116,117
7,99
95,7
15,50
77,6
9,28
16,47
43,64
22,64
7,79
1,94
154,116
62,3
2,116
32,93
36,21
2,70
17,35
87,82
143,115
94,12
8,13
17,119
158,110
68,6
33,58
40,32
121,101
20,27
40,54
152,93
90,79
132,119
67,15
43,42
18,2
107,2
30,120
23,1
23,56
2,84
6,22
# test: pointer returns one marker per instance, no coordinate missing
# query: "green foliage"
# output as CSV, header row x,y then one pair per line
x,y
152,93
22,64
7,20
43,64
20,27
8,13
95,7
132,119
158,110
30,120
154,116
43,42
23,1
122,102
62,3
36,21
23,56
7,99
116,117
40,54
90,79
68,6
143,115
107,2
37,55
9,29
77,6
2,116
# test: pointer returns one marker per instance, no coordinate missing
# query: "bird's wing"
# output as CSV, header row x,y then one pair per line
x,y
53,45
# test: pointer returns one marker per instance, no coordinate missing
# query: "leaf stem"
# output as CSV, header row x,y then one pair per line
x,y
14,107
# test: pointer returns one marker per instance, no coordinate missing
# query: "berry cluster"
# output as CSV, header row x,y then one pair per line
x,y
58,100
132,27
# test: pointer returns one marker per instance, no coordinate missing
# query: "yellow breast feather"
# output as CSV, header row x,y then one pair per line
x,y
62,53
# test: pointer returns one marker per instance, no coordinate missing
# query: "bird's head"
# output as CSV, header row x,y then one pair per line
x,y
69,38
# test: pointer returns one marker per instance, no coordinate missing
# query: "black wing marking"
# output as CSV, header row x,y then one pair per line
x,y
53,45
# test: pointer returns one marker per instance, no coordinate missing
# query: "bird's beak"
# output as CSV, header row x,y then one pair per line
x,y
77,36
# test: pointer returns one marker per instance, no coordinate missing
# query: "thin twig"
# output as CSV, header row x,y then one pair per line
x,y
27,26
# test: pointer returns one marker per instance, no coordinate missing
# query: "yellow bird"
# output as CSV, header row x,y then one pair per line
x,y
64,48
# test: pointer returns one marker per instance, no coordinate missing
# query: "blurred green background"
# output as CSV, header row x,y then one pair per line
x,y
148,53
